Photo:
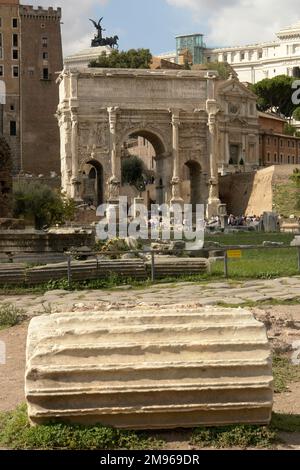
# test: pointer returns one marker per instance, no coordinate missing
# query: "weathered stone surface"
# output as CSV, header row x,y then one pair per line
x,y
149,369
296,241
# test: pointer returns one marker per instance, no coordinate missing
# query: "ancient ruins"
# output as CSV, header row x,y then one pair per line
x,y
149,368
197,124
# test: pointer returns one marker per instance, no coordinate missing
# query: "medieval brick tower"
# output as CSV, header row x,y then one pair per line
x,y
30,56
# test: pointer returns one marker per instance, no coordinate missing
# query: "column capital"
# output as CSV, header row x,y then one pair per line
x,y
175,116
74,120
113,111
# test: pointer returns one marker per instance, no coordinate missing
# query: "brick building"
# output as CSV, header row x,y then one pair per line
x,y
276,147
30,56
5,179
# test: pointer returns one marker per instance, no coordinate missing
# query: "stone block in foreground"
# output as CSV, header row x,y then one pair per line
x,y
149,369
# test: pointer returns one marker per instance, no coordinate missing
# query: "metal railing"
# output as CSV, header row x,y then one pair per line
x,y
222,249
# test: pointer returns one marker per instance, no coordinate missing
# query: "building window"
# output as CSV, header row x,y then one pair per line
x,y
234,154
281,143
281,158
268,141
15,54
15,40
289,159
15,22
13,128
0,22
293,160
15,71
260,55
1,46
288,143
293,144
268,156
1,71
43,25
45,74
45,42
12,107
242,55
45,55
275,141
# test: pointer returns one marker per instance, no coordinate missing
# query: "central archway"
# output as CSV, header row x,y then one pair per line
x,y
149,147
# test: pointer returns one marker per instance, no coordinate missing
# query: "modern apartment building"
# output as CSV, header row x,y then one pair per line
x,y
252,62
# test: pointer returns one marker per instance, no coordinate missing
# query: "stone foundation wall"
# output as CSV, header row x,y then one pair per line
x,y
267,190
41,242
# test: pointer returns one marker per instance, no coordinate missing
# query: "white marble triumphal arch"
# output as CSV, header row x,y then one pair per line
x,y
189,117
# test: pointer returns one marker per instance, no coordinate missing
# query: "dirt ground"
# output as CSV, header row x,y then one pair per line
x,y
283,324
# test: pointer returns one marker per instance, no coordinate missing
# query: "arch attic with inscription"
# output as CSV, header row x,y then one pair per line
x,y
198,125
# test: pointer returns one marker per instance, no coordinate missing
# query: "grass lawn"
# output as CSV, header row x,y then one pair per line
x,y
257,264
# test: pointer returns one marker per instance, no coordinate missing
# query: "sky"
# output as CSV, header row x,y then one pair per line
x,y
154,24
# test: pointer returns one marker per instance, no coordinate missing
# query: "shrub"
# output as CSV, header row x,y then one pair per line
x,y
10,315
234,436
132,170
16,433
45,206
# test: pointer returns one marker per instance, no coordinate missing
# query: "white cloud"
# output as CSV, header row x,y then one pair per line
x,y
234,22
77,31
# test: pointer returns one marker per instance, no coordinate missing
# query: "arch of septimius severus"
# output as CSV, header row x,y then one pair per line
x,y
193,120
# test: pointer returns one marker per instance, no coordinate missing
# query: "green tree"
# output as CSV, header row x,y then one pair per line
x,y
132,170
39,202
132,59
296,114
275,94
289,129
224,70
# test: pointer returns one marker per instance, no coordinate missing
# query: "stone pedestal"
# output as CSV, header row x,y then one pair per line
x,y
223,216
213,200
138,201
76,186
212,208
176,193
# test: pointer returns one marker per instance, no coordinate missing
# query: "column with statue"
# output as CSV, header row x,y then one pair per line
x,y
214,198
176,182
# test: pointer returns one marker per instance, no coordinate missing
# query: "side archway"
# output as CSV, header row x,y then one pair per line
x,y
93,183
